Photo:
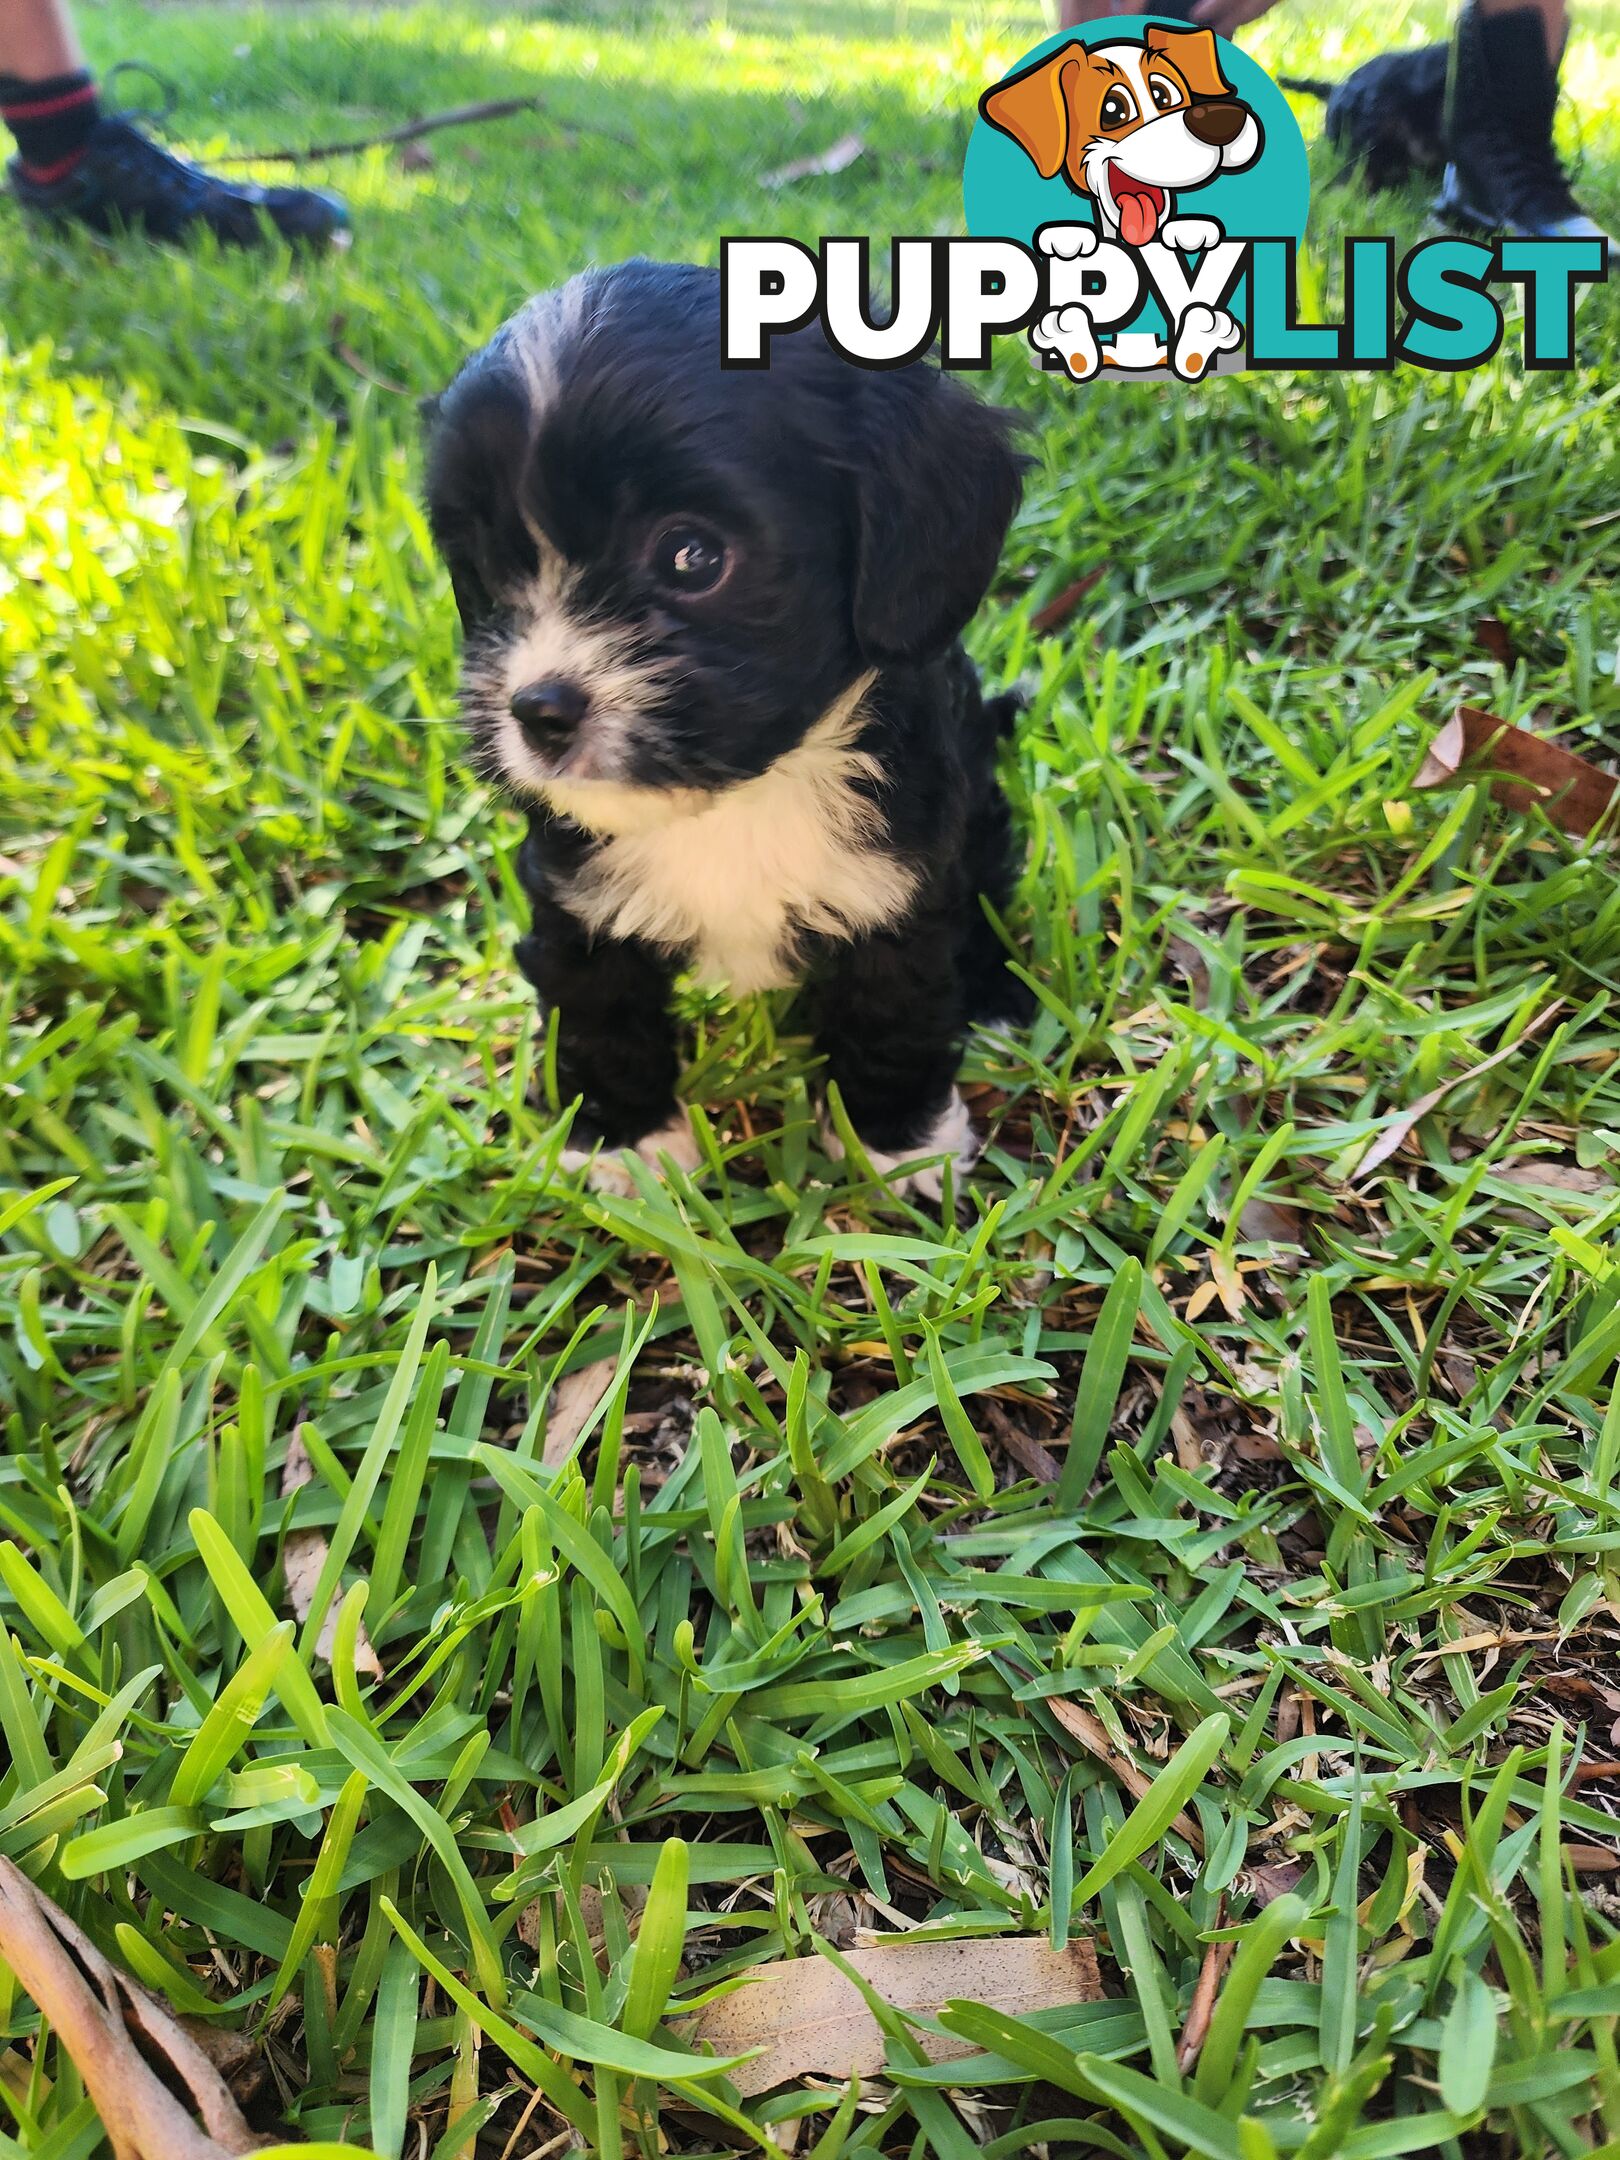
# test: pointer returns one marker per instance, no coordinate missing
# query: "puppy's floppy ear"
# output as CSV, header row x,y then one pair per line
x,y
478,450
1033,108
934,495
1193,53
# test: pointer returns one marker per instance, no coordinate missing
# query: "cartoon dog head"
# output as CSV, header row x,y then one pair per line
x,y
1129,124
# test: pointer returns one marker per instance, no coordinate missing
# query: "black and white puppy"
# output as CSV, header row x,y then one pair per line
x,y
712,630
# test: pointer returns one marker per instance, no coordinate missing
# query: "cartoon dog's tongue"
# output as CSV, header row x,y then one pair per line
x,y
1140,205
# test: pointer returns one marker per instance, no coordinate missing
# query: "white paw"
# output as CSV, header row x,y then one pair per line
x,y
1202,333
1067,241
950,1135
1068,332
1192,235
608,1173
1001,1028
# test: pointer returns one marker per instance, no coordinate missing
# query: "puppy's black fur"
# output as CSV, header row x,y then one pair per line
x,y
673,581
1388,116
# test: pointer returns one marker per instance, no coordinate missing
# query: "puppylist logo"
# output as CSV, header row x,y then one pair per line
x,y
1136,198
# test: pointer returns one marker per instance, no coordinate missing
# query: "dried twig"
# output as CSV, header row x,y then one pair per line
x,y
1396,1132
842,155
412,131
1217,1956
120,2038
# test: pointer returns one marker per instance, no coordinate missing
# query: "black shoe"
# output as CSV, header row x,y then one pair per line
x,y
123,178
1505,175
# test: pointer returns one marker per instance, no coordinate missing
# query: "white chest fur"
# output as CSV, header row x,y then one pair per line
x,y
729,880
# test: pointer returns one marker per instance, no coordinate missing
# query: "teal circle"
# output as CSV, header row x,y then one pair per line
x,y
1004,197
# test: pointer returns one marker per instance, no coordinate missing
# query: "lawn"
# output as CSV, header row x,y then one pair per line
x,y
454,1624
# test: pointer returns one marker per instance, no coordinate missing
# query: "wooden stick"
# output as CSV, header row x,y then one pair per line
x,y
408,131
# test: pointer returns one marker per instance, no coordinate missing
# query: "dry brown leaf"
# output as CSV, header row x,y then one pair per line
x,y
1274,1222
1592,1859
573,1399
302,1558
838,159
1195,968
1057,611
1492,636
1092,1735
1557,1177
1576,794
134,2057
807,2017
1393,1135
1025,1450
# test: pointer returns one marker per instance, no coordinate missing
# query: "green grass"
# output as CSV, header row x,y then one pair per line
x,y
1336,1462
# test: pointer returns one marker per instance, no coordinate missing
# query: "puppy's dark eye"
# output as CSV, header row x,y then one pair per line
x,y
689,559
1165,94
1118,108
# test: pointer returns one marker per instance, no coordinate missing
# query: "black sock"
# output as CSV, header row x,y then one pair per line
x,y
51,121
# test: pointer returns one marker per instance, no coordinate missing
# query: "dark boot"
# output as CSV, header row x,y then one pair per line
x,y
1504,174
120,178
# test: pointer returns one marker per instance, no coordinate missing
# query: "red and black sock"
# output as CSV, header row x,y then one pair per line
x,y
51,121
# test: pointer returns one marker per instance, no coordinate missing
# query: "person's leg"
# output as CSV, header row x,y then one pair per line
x,y
77,163
47,94
1554,21
1072,13
1504,173
37,40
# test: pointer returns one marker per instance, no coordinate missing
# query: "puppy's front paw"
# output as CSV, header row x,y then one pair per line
x,y
1067,242
608,1172
1191,235
951,1135
1202,333
1069,332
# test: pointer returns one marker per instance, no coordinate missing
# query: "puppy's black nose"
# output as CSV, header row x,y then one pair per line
x,y
1217,124
550,710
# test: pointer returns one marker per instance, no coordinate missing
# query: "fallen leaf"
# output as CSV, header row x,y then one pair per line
x,y
1592,1859
1273,1879
1529,770
302,1558
838,159
573,1399
1273,1222
807,2017
1491,634
1092,1734
1195,968
1556,1177
1023,1447
139,2066
1393,1135
1057,611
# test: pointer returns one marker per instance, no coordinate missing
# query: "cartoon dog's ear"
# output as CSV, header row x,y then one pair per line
x,y
935,489
1033,108
1194,55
